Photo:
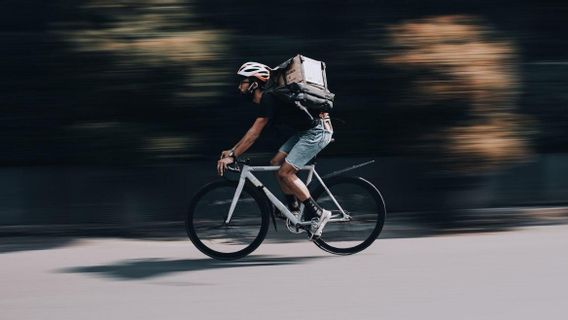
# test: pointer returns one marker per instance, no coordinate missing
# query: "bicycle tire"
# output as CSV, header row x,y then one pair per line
x,y
364,202
205,221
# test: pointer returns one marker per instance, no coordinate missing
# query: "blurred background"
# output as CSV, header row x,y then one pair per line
x,y
113,112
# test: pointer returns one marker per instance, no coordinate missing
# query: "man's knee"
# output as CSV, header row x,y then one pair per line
x,y
278,159
286,171
282,174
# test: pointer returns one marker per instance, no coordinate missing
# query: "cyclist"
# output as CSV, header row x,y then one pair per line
x,y
313,133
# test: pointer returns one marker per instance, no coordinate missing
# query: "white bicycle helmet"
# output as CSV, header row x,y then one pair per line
x,y
255,69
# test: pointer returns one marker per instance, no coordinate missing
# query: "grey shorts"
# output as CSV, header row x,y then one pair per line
x,y
305,145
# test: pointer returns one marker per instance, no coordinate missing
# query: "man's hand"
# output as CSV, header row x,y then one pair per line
x,y
225,154
222,165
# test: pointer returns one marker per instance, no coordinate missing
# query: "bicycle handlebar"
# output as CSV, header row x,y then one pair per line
x,y
236,166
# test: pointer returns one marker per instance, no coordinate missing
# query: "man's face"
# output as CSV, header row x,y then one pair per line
x,y
244,86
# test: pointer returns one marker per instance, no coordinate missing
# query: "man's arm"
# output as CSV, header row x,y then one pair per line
x,y
242,146
250,137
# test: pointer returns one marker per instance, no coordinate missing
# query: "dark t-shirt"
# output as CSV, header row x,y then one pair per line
x,y
283,113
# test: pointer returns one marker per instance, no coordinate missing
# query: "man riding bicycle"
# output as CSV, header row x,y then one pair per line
x,y
313,134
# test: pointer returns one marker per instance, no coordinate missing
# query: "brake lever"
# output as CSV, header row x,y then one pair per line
x,y
236,165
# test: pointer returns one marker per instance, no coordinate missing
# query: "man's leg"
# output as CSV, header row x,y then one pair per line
x,y
278,160
291,201
289,180
288,176
309,144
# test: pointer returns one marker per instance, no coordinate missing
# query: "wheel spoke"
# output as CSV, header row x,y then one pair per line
x,y
363,204
206,222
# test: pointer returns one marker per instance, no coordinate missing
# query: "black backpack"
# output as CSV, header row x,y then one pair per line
x,y
302,81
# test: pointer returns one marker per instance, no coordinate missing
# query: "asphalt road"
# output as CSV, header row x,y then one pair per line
x,y
520,274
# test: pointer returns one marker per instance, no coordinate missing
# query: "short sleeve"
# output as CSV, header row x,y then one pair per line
x,y
266,106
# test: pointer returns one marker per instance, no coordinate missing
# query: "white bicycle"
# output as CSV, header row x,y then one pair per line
x,y
229,220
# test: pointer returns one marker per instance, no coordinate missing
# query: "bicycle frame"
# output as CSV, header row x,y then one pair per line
x,y
247,173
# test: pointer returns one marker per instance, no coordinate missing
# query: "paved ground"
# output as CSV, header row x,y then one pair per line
x,y
520,274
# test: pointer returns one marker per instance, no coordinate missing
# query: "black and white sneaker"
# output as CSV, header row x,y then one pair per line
x,y
316,228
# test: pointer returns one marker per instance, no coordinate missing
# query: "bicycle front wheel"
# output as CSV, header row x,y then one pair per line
x,y
206,221
364,205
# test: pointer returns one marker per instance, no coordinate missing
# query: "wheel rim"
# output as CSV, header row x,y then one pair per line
x,y
366,208
213,236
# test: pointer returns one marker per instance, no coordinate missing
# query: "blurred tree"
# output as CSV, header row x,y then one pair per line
x,y
100,81
460,63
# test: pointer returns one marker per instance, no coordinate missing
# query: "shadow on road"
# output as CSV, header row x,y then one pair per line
x,y
8,245
149,268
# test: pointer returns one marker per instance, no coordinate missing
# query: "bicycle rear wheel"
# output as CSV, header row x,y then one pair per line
x,y
361,200
206,227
